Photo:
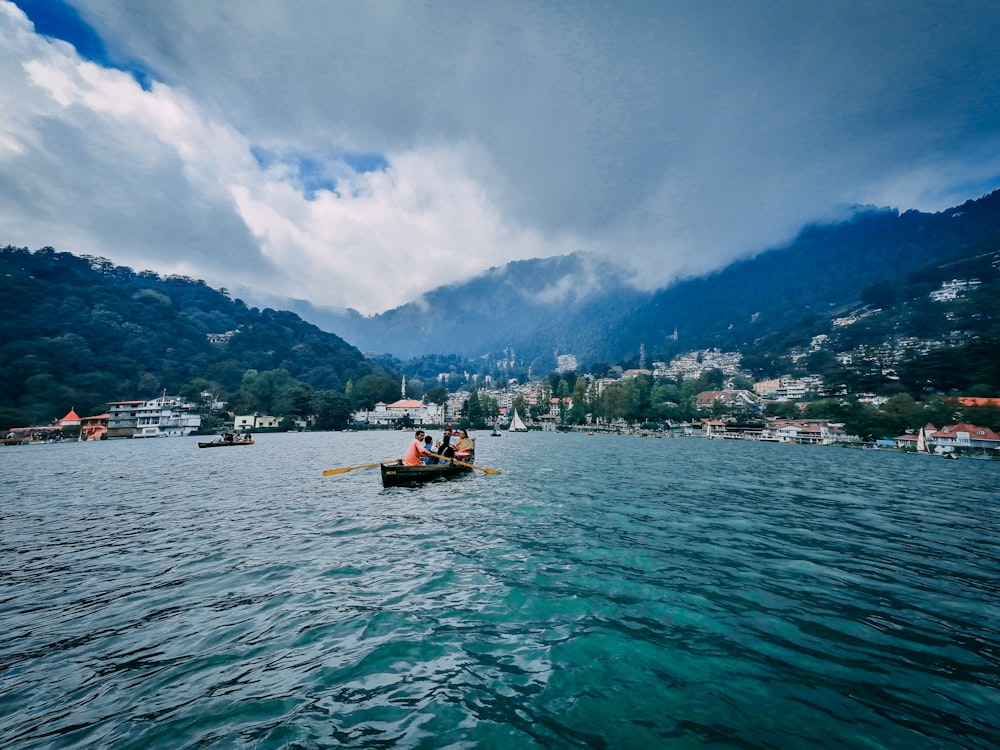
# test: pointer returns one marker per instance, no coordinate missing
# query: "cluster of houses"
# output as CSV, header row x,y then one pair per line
x,y
950,437
174,416
164,416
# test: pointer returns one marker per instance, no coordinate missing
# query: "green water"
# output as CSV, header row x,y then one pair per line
x,y
606,592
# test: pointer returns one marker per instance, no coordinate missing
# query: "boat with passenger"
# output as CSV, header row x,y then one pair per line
x,y
399,474
228,440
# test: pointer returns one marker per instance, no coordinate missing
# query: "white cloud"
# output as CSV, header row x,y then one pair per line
x,y
670,138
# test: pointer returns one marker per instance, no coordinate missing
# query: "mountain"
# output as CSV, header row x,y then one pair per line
x,y
579,304
532,308
81,331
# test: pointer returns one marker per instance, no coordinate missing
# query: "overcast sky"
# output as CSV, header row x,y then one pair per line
x,y
357,154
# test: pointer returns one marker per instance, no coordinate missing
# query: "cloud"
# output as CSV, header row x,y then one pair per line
x,y
360,154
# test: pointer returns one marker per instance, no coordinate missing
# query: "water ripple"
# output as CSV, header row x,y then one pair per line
x,y
600,592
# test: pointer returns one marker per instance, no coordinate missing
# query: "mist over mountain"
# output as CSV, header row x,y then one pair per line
x,y
579,304
529,309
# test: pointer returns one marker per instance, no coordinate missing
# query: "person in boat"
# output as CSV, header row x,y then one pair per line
x,y
465,445
416,450
444,448
227,438
429,446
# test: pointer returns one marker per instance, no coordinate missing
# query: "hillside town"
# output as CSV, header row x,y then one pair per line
x,y
728,413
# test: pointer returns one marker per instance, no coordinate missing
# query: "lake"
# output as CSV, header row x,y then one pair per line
x,y
601,592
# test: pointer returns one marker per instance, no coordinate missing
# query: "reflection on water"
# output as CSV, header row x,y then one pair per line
x,y
601,592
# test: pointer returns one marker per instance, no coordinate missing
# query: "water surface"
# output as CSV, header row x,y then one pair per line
x,y
603,591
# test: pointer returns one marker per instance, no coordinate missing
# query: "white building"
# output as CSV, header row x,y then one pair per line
x,y
166,416
954,289
566,363
246,422
391,414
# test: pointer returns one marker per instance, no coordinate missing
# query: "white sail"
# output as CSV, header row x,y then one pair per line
x,y
516,425
921,442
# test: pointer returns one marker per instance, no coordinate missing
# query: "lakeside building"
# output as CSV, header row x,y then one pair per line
x,y
166,416
808,431
246,422
950,437
122,418
390,414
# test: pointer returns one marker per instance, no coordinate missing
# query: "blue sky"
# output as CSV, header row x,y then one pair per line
x,y
357,154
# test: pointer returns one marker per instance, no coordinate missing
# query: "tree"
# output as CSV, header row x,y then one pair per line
x,y
295,400
578,412
437,395
562,395
491,409
474,411
615,400
332,410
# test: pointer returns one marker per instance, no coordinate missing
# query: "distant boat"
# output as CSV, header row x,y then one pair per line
x,y
516,425
224,443
922,443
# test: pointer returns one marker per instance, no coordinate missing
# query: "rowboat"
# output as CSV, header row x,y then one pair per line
x,y
401,475
225,443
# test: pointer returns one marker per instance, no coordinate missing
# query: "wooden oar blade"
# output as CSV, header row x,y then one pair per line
x,y
345,469
463,463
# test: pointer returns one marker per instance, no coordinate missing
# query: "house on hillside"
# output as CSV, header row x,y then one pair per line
x,y
971,401
737,399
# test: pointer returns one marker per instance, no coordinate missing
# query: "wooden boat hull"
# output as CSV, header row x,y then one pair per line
x,y
400,475
221,444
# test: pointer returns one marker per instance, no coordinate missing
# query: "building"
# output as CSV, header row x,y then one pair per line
x,y
566,363
736,399
166,416
966,436
72,419
951,290
390,415
809,431
246,422
788,389
122,418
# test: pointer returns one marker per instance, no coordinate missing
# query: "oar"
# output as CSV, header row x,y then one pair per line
x,y
462,463
345,469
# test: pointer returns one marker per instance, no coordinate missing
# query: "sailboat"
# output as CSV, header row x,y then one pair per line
x,y
516,425
922,443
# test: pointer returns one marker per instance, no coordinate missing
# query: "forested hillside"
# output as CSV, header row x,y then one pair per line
x,y
80,331
772,302
791,294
